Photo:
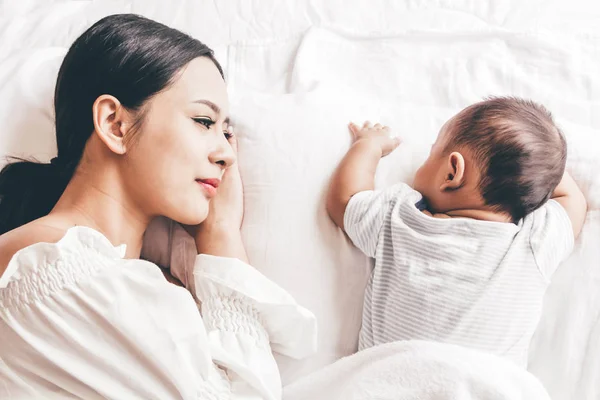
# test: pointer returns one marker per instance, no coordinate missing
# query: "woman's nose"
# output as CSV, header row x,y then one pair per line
x,y
223,154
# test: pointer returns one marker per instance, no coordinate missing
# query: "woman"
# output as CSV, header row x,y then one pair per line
x,y
142,131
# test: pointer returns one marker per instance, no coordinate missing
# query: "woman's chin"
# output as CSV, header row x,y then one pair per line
x,y
194,217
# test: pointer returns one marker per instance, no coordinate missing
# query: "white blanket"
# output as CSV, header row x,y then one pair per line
x,y
418,370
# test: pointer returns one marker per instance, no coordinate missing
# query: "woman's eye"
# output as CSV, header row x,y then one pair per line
x,y
207,122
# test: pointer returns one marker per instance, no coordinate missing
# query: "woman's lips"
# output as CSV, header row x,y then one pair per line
x,y
209,185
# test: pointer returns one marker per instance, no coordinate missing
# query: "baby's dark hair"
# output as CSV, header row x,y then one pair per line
x,y
520,150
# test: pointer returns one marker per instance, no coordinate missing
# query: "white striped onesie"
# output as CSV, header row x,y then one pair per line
x,y
478,284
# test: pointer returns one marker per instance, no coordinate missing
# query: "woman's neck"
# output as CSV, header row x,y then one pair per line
x,y
100,202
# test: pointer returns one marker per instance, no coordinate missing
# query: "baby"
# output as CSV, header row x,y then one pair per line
x,y
466,256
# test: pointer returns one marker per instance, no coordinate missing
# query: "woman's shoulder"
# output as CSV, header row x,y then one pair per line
x,y
41,261
38,231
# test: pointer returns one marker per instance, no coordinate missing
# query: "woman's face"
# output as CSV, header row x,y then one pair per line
x,y
179,157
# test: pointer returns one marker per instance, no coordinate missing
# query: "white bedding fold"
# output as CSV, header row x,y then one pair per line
x,y
417,370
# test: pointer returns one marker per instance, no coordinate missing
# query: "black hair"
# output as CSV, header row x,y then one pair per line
x,y
127,56
519,149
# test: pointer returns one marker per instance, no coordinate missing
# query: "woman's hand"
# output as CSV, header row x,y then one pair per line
x,y
227,207
219,234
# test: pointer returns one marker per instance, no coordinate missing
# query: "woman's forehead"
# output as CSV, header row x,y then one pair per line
x,y
201,81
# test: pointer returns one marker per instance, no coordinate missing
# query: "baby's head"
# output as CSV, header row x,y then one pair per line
x,y
504,155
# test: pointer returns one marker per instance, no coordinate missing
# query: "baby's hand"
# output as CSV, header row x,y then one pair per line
x,y
377,134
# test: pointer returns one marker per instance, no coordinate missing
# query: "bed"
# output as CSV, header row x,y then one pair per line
x,y
298,71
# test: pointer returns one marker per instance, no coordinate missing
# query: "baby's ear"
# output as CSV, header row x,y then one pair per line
x,y
454,172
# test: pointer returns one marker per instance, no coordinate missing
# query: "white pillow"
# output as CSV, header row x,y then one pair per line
x,y
450,70
27,79
289,145
442,72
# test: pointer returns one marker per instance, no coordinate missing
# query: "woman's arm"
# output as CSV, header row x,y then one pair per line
x,y
220,240
219,234
246,315
118,330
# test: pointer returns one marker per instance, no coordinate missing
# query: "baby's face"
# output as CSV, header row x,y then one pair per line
x,y
429,176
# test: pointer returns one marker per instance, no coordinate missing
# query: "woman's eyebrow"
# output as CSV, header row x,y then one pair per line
x,y
213,107
209,103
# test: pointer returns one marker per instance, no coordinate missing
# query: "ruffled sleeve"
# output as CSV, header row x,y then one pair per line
x,y
246,316
83,322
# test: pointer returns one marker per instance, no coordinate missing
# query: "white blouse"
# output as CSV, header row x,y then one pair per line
x,y
77,320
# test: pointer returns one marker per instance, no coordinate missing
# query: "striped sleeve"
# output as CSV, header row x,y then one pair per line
x,y
552,237
366,212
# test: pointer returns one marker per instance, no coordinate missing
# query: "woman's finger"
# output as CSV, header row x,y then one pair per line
x,y
233,139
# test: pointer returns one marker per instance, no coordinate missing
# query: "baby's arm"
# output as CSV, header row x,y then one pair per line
x,y
356,172
570,197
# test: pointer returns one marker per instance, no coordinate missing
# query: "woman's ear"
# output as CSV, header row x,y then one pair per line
x,y
111,122
454,172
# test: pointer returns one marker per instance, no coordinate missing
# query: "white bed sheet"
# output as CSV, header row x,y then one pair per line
x,y
272,47
420,78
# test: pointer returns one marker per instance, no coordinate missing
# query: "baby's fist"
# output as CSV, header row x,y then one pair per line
x,y
376,134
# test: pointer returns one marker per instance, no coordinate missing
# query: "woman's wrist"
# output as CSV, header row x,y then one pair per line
x,y
220,239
